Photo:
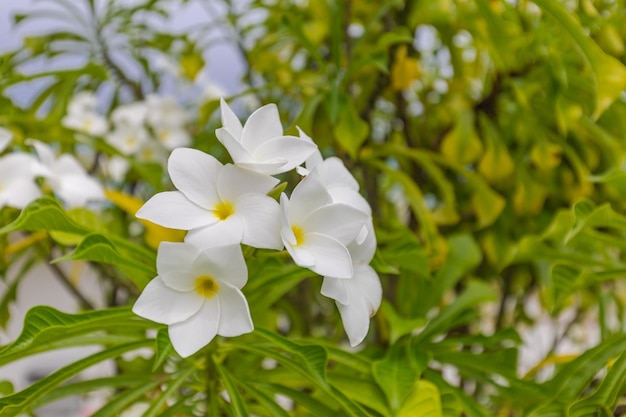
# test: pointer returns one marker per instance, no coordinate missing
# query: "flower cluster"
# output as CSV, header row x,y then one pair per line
x,y
144,130
325,225
64,175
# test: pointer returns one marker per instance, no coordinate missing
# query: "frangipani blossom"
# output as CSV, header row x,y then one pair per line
x,y
5,138
218,204
127,138
165,112
261,145
197,294
67,177
133,114
83,117
172,137
17,180
315,230
359,297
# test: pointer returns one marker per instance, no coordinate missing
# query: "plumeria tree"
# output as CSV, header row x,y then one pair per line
x,y
404,208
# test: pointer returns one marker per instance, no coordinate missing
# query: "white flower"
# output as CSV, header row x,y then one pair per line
x,y
67,178
172,137
127,138
82,115
116,167
216,203
260,145
133,114
197,294
359,297
315,230
165,112
17,180
5,138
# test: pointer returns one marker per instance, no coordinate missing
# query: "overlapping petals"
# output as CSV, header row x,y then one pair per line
x,y
218,204
260,144
17,180
315,230
176,296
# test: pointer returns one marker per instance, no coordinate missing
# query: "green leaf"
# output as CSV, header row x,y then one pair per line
x,y
396,375
423,401
44,327
237,406
175,381
44,214
18,403
83,217
266,402
121,401
303,399
351,131
98,248
475,294
469,405
361,389
313,356
164,348
609,73
606,396
563,279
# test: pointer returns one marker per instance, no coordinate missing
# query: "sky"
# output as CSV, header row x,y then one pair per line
x,y
224,66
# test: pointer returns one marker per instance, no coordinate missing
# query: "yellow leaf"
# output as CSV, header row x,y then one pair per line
x,y
546,156
461,145
423,401
191,64
404,70
155,234
487,206
529,197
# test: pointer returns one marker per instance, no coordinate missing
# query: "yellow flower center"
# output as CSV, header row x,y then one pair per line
x,y
206,286
299,234
223,210
164,135
87,124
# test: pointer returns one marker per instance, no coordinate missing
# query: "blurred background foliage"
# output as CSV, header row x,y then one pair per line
x,y
489,138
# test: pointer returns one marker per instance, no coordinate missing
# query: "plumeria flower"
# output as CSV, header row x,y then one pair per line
x,y
359,297
315,230
83,117
17,180
216,203
260,145
127,138
165,112
6,136
67,178
197,295
172,137
133,114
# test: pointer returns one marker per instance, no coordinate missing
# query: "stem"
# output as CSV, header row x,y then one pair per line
x,y
63,279
211,390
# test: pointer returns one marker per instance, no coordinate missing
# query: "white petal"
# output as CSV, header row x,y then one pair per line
x,y
174,265
164,305
289,238
331,256
195,173
77,190
172,209
233,181
44,152
350,197
356,320
316,157
19,166
235,317
230,121
340,221
363,251
261,218
300,255
234,147
307,196
67,164
262,125
5,138
19,193
291,148
336,289
266,167
224,232
365,298
333,171
224,263
193,334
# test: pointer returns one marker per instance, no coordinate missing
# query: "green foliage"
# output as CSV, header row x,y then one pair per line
x,y
487,136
